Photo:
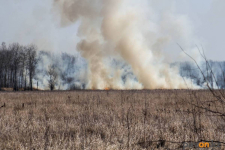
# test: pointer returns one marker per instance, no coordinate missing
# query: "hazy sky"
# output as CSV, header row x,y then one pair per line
x,y
34,21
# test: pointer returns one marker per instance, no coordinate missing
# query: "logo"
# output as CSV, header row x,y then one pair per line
x,y
201,144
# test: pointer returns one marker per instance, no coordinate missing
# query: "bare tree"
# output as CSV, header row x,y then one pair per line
x,y
53,75
15,64
31,63
23,68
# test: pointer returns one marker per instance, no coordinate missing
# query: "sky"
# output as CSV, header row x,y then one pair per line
x,y
33,21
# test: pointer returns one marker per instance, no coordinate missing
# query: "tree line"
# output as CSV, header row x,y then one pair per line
x,y
214,72
21,65
17,66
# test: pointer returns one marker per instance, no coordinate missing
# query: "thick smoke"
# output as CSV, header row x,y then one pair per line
x,y
70,70
128,31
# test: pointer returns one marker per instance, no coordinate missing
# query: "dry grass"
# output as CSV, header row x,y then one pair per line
x,y
97,120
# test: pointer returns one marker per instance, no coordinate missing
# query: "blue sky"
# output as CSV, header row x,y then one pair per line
x,y
33,21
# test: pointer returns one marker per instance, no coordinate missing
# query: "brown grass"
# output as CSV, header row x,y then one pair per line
x,y
97,120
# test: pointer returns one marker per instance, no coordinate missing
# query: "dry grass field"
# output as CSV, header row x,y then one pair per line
x,y
109,120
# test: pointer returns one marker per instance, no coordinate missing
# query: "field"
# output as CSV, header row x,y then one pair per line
x,y
109,120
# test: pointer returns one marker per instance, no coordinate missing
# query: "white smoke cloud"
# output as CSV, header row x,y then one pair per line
x,y
133,31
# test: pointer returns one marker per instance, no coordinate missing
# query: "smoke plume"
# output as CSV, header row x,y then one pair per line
x,y
130,32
